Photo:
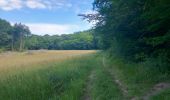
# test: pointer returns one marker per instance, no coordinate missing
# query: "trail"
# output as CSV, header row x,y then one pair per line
x,y
117,81
153,91
156,90
87,95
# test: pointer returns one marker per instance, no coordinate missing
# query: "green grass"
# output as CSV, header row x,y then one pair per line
x,y
164,95
64,81
139,78
104,87
67,80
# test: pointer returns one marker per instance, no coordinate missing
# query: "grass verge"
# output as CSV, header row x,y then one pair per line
x,y
139,78
104,87
163,95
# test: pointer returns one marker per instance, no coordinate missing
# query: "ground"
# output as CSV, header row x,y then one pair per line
x,y
73,75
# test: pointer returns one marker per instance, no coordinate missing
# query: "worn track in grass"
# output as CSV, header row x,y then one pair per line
x,y
152,92
155,90
88,88
117,81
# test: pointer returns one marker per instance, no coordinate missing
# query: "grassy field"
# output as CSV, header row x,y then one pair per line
x,y
54,75
76,75
41,75
11,62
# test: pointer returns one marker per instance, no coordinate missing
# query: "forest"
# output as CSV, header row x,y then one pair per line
x,y
136,30
19,38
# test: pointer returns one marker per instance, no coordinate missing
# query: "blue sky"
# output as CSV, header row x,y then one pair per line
x,y
47,16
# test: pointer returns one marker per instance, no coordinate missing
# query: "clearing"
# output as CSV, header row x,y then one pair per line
x,y
77,75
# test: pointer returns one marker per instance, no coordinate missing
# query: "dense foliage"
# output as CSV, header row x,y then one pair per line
x,y
19,34
134,29
12,37
19,37
5,35
77,41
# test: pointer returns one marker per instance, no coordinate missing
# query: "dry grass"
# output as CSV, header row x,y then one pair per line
x,y
55,75
13,61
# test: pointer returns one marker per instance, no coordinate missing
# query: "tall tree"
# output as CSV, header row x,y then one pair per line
x,y
133,29
5,35
20,32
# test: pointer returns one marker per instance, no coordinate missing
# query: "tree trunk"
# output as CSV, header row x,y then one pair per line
x,y
21,43
12,44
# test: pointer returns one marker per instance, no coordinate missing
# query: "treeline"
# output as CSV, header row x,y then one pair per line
x,y
134,29
76,41
18,38
12,37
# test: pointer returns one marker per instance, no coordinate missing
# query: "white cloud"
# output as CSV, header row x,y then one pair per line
x,y
55,29
56,4
52,29
35,4
9,5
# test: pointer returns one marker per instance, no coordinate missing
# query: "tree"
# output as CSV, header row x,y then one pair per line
x,y
19,33
79,40
18,37
133,29
5,35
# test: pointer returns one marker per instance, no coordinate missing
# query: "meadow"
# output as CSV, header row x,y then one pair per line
x,y
77,75
13,61
42,75
55,75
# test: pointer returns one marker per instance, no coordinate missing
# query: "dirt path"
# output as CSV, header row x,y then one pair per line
x,y
87,95
117,81
155,90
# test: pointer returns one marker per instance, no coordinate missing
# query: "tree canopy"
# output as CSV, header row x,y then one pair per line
x,y
5,34
77,41
134,29
18,37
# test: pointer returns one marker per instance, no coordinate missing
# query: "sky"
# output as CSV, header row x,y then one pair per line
x,y
47,16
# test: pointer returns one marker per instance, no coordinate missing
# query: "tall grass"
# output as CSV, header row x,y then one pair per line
x,y
139,78
14,62
163,95
66,79
104,87
58,81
